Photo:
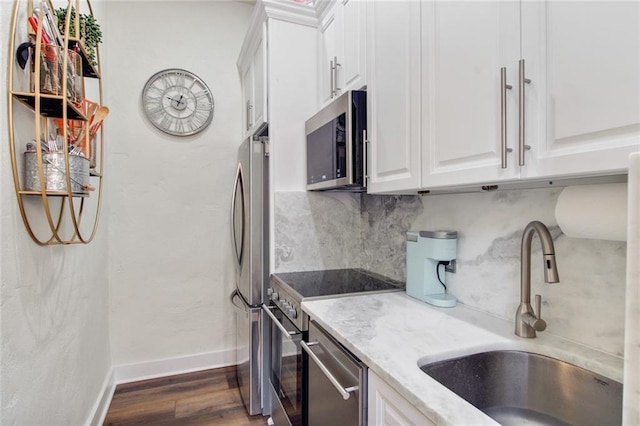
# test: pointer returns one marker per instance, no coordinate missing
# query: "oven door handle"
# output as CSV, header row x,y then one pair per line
x,y
284,331
345,392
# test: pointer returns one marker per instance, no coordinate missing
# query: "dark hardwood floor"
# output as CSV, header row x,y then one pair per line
x,y
209,397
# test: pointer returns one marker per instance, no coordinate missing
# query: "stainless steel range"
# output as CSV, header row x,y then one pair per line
x,y
293,377
288,290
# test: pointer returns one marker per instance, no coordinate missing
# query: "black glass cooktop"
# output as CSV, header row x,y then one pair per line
x,y
336,282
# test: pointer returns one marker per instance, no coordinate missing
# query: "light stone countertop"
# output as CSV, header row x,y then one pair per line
x,y
393,333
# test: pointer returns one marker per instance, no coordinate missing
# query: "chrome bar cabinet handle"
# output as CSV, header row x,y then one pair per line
x,y
335,72
345,392
249,108
522,80
503,116
332,73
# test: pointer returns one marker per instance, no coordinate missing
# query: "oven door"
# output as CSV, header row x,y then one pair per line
x,y
287,375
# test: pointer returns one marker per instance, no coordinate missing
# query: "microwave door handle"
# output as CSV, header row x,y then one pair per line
x,y
365,154
283,330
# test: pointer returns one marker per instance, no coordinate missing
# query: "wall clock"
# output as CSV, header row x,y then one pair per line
x,y
177,102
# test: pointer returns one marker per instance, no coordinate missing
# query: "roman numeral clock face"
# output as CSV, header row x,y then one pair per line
x,y
177,102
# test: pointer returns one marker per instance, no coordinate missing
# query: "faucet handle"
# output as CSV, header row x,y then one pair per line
x,y
539,324
539,306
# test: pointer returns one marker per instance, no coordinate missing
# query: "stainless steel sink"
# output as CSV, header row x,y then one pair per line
x,y
516,388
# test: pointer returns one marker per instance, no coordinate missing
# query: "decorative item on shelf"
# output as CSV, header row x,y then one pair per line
x,y
177,102
90,31
82,134
55,172
95,123
51,73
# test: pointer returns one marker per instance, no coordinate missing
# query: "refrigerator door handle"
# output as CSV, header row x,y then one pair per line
x,y
239,184
240,309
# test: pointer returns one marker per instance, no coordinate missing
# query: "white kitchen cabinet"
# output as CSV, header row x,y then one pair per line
x,y
327,54
393,96
341,48
386,407
465,45
583,103
253,68
580,92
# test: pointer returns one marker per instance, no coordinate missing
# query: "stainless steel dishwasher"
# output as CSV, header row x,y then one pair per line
x,y
337,386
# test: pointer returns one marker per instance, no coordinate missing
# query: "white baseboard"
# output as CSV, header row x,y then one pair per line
x,y
167,367
101,406
153,369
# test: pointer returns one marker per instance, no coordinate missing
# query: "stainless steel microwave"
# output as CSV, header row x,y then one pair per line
x,y
336,148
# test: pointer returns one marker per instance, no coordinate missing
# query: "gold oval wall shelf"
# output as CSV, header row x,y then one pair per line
x,y
55,206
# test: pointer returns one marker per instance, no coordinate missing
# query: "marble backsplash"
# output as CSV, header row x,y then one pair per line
x,y
339,230
316,231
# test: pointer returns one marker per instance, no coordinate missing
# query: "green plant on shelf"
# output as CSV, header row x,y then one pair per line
x,y
90,32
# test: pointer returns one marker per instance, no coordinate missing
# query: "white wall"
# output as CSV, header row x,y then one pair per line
x,y
170,260
55,351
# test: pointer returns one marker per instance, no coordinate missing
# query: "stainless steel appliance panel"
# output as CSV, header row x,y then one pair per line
x,y
248,353
249,210
249,231
287,369
337,386
278,414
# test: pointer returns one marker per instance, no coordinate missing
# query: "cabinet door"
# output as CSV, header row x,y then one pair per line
x,y
584,62
254,84
387,407
341,45
351,72
466,43
259,62
328,53
393,98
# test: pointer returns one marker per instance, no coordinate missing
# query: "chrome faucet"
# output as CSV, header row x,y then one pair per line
x,y
527,323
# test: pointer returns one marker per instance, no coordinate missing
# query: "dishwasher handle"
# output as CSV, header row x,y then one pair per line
x,y
345,392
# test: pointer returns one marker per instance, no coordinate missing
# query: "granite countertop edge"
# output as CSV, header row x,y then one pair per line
x,y
393,334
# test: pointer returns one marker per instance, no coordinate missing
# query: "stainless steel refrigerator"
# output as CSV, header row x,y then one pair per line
x,y
250,243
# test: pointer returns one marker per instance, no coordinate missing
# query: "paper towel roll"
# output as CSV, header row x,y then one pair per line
x,y
593,211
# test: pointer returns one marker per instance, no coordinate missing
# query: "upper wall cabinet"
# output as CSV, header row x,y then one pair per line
x,y
509,91
341,48
470,58
253,69
393,96
541,89
582,111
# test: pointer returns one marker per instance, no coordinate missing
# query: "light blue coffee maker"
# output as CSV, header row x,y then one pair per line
x,y
429,255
